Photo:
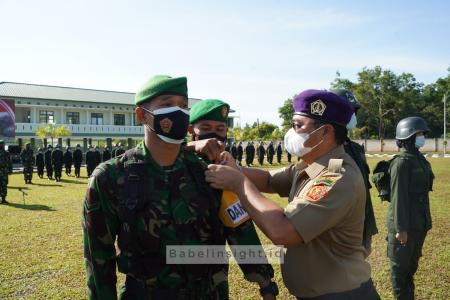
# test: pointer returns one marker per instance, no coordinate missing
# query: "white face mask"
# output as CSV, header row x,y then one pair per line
x,y
294,142
352,123
420,141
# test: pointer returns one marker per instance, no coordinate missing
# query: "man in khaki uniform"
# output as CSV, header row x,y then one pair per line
x,y
322,226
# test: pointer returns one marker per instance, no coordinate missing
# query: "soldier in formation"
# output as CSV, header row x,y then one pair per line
x,y
57,162
91,160
106,154
27,158
77,160
48,162
68,160
270,153
5,170
40,162
249,154
279,153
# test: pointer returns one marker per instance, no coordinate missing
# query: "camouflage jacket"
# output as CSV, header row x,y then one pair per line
x,y
27,157
171,207
5,162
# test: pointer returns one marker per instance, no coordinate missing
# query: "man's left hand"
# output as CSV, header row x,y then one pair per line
x,y
211,148
224,177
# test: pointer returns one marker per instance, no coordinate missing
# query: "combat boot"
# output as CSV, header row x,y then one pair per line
x,y
4,201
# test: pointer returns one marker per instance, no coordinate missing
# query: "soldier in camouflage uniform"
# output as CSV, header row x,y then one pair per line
x,y
356,151
153,196
27,158
5,170
209,131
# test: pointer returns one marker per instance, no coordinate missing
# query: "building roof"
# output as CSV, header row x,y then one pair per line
x,y
37,91
48,92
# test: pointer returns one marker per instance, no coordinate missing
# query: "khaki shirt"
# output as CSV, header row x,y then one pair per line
x,y
326,206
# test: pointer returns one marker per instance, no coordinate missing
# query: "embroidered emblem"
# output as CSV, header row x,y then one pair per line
x,y
317,192
318,107
326,180
166,125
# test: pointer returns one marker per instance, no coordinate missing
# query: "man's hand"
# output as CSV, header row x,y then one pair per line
x,y
227,159
210,148
402,237
224,177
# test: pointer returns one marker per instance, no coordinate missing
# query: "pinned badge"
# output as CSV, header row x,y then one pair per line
x,y
318,107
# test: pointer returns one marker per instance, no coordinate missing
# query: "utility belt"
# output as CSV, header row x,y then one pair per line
x,y
139,289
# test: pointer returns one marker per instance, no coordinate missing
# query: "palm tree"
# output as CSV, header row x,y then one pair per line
x,y
52,131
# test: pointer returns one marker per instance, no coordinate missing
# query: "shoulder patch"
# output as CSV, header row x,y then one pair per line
x,y
326,181
318,192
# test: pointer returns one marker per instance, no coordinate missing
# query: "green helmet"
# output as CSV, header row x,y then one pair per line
x,y
407,127
348,96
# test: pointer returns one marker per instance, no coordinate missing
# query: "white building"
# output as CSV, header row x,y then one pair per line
x,y
92,116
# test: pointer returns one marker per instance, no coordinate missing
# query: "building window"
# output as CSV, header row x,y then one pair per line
x,y
96,119
73,117
119,119
46,116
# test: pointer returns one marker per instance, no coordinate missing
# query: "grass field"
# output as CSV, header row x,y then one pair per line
x,y
41,245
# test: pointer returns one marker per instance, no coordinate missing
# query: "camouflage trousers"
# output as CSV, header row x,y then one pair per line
x,y
135,289
3,183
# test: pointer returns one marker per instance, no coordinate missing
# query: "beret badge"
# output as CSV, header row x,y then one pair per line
x,y
318,107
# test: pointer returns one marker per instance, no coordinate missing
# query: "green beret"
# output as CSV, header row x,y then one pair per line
x,y
161,85
209,109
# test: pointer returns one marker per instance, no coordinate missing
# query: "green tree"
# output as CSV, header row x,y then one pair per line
x,y
286,112
385,99
52,131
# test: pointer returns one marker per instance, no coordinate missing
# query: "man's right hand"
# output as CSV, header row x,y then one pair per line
x,y
402,237
210,148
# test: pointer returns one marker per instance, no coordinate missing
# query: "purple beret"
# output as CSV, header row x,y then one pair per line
x,y
324,106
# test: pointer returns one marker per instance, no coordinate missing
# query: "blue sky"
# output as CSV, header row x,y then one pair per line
x,y
252,54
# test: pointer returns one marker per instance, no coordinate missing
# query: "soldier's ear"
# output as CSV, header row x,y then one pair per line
x,y
140,114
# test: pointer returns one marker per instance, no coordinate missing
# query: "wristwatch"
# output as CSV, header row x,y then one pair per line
x,y
272,288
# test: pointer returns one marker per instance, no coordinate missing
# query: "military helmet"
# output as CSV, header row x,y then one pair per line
x,y
407,127
78,145
348,96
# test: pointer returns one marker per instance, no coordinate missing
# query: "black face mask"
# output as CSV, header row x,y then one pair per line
x,y
212,135
170,123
